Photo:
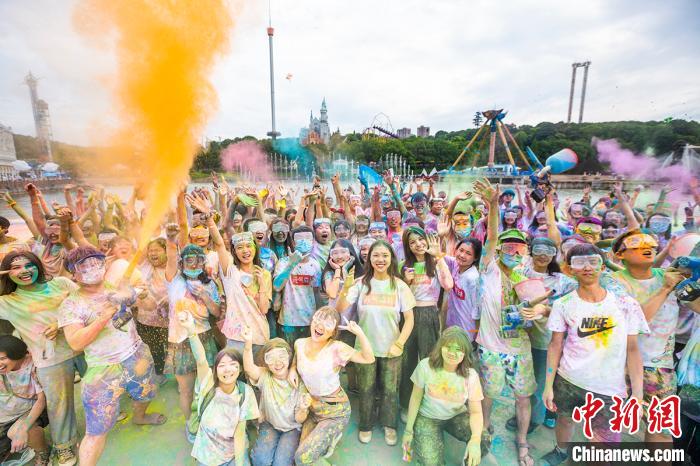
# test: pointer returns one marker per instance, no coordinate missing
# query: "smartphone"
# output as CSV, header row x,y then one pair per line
x,y
419,268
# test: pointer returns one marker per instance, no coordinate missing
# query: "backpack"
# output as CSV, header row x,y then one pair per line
x,y
196,416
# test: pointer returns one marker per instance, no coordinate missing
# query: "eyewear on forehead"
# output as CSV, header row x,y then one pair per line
x,y
544,250
275,355
589,228
322,221
90,262
639,242
580,262
514,248
327,321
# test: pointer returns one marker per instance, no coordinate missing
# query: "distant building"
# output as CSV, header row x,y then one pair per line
x,y
7,153
423,131
404,133
318,131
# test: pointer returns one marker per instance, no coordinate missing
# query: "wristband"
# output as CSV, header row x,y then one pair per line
x,y
11,204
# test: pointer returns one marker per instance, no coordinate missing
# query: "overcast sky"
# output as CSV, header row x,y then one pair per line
x,y
432,62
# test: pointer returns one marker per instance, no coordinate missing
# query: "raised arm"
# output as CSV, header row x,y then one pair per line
x,y
632,223
181,212
552,229
201,203
186,320
11,203
252,370
171,266
37,213
443,271
489,194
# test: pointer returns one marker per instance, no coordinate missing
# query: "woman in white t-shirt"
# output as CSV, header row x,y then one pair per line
x,y
382,298
283,407
222,405
318,361
446,398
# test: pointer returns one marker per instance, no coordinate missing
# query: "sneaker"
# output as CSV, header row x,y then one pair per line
x,y
512,425
550,422
555,457
390,436
365,436
42,458
66,457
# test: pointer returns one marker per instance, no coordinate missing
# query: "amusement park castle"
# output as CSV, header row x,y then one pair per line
x,y
318,131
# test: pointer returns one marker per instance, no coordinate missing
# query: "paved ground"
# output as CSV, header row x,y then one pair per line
x,y
130,445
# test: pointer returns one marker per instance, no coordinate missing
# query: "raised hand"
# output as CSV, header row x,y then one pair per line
x,y
335,179
351,326
7,197
463,196
434,248
246,334
198,202
348,265
486,190
305,401
443,225
186,321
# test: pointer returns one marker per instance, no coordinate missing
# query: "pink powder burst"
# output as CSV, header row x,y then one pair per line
x,y
247,156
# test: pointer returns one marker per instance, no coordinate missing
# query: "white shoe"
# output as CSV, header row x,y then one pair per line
x,y
365,436
390,436
66,457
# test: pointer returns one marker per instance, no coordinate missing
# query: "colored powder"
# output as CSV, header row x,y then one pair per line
x,y
249,156
291,149
633,166
165,51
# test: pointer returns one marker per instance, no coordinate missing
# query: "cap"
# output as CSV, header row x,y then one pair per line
x,y
512,236
192,250
508,191
543,241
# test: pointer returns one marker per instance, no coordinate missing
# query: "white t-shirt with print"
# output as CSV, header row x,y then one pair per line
x,y
320,374
298,299
596,340
445,394
278,401
379,312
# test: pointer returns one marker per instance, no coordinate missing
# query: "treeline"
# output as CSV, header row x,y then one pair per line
x,y
440,150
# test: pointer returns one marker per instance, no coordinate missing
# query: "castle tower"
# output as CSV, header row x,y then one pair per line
x,y
324,111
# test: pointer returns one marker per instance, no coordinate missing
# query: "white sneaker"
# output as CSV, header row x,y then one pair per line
x,y
66,457
390,436
365,436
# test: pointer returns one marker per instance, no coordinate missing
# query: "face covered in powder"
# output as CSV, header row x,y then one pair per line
x,y
90,271
23,272
259,230
322,230
280,232
277,361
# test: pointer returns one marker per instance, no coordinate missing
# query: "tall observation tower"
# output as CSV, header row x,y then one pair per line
x,y
42,120
271,32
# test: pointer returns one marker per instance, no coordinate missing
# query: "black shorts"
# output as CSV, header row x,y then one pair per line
x,y
6,443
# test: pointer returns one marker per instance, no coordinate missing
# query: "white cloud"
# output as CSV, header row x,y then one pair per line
x,y
432,63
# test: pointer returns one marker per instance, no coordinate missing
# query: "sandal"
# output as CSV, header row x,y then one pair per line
x,y
526,459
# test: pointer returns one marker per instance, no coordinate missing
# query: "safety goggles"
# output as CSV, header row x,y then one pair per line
x,y
589,228
192,260
510,216
198,233
393,214
580,262
610,233
106,237
659,223
303,236
566,246
280,228
642,241
325,321
544,250
242,238
90,263
377,226
514,248
339,252
322,221
257,227
276,355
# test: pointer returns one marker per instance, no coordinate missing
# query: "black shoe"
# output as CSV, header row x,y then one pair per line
x,y
555,457
512,425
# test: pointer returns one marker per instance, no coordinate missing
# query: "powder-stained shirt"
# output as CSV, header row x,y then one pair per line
x,y
18,391
495,293
154,309
278,401
298,300
379,311
445,394
181,299
596,340
32,312
112,345
425,289
213,444
320,373
462,303
657,346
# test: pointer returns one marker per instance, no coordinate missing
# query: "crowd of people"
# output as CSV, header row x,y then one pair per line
x,y
256,301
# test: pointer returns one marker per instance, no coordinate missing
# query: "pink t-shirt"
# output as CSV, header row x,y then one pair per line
x,y
320,374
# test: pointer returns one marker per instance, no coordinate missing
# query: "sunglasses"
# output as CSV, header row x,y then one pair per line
x,y
580,262
514,248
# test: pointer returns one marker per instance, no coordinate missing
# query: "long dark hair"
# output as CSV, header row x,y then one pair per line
x,y
410,257
453,335
231,353
256,255
7,286
280,249
357,264
392,270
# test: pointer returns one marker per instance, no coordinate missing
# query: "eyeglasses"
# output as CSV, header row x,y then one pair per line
x,y
580,262
589,228
276,355
544,250
640,242
514,248
326,322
